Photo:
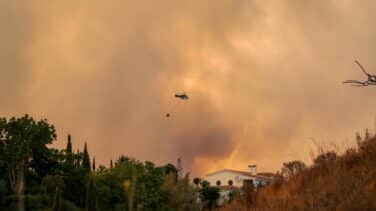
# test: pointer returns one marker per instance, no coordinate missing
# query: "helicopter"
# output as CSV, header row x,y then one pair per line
x,y
181,96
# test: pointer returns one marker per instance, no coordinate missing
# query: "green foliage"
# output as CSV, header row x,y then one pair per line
x,y
3,192
86,159
110,191
205,184
56,205
69,206
34,176
69,152
24,145
209,195
53,182
181,194
91,197
24,154
131,182
75,186
93,167
69,149
30,202
171,170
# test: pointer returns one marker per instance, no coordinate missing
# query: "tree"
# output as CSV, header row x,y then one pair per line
x,y
109,188
292,168
86,159
3,193
370,81
91,198
24,143
77,158
69,151
209,195
181,194
325,157
34,176
205,184
197,181
93,164
56,205
170,169
69,145
54,184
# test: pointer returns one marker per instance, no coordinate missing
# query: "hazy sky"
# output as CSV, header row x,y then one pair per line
x,y
264,77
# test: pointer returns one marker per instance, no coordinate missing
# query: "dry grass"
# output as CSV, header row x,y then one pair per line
x,y
346,182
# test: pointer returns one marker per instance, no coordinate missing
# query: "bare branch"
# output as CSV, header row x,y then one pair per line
x,y
370,81
362,68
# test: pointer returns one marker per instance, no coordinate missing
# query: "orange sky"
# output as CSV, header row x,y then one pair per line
x,y
264,77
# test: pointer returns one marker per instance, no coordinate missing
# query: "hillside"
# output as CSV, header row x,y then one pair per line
x,y
345,182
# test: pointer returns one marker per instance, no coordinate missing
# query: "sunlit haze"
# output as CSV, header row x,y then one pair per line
x,y
264,78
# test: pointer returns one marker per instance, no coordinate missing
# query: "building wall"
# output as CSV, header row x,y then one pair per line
x,y
225,176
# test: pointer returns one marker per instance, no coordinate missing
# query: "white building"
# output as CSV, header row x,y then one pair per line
x,y
235,178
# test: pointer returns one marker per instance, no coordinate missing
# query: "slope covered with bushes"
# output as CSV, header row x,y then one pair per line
x,y
345,182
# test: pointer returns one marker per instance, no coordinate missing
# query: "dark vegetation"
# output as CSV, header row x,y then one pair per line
x,y
332,182
34,176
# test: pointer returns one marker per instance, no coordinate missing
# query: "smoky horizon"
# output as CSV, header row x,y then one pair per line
x,y
264,79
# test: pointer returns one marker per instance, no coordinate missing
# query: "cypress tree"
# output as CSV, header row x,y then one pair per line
x,y
86,159
69,151
93,164
111,165
69,144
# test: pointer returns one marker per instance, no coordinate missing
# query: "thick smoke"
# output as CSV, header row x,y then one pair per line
x,y
264,77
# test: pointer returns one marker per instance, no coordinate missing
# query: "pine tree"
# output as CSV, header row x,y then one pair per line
x,y
93,164
86,159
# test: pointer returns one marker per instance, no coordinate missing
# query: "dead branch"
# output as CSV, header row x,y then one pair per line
x,y
371,79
